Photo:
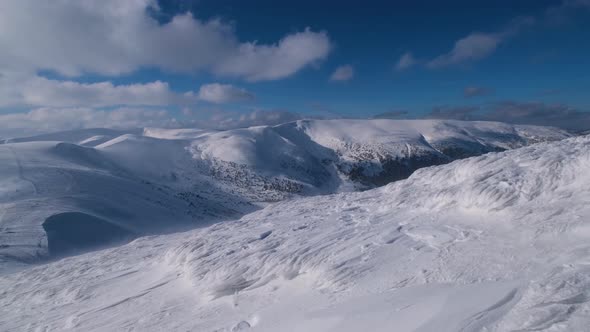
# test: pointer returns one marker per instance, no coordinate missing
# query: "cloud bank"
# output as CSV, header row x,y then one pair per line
x,y
45,120
532,113
113,37
109,38
38,91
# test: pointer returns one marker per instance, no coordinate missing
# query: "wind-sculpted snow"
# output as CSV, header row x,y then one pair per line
x,y
496,182
492,243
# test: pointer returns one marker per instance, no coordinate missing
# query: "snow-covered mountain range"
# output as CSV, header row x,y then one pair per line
x,y
497,242
75,190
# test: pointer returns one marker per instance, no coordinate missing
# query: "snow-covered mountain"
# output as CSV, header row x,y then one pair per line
x,y
326,156
497,242
70,191
58,197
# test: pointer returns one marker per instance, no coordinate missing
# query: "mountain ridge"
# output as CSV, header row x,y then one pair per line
x,y
155,181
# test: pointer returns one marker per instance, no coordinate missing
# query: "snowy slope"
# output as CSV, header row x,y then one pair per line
x,y
138,182
311,156
324,156
498,242
61,189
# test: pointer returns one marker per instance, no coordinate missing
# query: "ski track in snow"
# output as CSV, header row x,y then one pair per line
x,y
491,243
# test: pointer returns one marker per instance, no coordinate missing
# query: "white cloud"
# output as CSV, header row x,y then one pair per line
x,y
43,120
478,45
270,62
475,46
113,37
44,92
406,61
343,73
223,93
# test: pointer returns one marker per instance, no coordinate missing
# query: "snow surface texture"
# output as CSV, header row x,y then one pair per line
x,y
491,243
119,185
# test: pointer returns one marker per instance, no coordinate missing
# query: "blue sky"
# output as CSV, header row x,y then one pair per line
x,y
372,35
547,62
194,62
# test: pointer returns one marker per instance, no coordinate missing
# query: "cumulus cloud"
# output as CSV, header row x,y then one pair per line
x,y
533,113
223,93
44,120
476,91
343,73
270,62
113,37
406,61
